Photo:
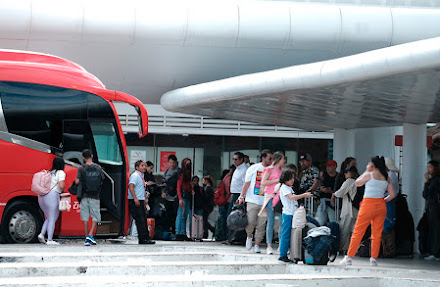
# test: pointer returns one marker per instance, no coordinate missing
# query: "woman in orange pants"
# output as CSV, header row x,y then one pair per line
x,y
373,209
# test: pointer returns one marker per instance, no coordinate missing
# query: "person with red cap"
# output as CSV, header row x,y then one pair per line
x,y
326,210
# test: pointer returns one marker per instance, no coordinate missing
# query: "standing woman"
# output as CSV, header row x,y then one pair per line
x,y
49,203
431,192
208,204
373,209
184,192
348,214
271,177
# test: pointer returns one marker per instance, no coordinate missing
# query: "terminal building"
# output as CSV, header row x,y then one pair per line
x,y
330,78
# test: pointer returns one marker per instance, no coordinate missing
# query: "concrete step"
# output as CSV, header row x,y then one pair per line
x,y
194,280
138,267
193,264
96,256
231,280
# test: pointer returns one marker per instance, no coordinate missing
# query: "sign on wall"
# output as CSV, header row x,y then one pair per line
x,y
164,159
136,155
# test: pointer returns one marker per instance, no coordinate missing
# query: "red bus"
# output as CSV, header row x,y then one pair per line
x,y
52,107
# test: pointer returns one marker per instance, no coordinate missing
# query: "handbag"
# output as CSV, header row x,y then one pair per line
x,y
64,204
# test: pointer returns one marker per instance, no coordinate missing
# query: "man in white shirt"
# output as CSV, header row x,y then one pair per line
x,y
238,178
254,198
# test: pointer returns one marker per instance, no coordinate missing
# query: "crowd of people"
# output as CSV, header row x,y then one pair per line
x,y
269,189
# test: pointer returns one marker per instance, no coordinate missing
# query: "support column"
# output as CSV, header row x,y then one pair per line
x,y
414,167
343,145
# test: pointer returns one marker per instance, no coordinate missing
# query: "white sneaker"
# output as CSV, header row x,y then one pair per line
x,y
249,243
431,258
373,261
346,261
51,242
269,251
257,249
41,238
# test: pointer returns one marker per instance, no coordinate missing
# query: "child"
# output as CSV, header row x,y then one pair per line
x,y
290,204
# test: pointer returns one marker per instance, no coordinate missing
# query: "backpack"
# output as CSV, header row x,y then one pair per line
x,y
41,182
356,201
172,182
92,176
220,195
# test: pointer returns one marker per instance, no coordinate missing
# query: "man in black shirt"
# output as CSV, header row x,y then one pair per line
x,y
326,210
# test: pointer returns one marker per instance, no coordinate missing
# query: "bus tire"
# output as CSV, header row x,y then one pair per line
x,y
21,223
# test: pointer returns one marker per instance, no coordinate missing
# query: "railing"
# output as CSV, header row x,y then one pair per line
x,y
192,124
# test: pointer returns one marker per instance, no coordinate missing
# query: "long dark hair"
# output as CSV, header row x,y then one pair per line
x,y
346,162
209,179
436,166
379,163
186,169
57,164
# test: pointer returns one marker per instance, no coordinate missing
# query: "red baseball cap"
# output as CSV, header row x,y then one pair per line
x,y
332,163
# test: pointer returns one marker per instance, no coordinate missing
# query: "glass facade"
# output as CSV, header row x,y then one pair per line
x,y
212,154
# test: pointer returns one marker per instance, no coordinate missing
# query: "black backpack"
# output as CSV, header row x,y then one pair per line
x,y
172,183
358,197
92,175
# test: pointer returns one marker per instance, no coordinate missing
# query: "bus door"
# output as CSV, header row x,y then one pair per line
x,y
100,138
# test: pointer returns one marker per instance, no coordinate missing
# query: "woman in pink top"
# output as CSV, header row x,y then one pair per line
x,y
271,177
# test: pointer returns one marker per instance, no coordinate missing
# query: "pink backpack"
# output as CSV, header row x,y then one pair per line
x,y
41,182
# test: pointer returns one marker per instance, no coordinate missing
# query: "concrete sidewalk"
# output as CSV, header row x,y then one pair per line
x,y
193,264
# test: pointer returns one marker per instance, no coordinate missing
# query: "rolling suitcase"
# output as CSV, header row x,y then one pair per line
x,y
196,224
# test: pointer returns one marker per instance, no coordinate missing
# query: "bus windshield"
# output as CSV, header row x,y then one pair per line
x,y
106,143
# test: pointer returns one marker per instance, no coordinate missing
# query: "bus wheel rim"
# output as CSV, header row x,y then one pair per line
x,y
22,226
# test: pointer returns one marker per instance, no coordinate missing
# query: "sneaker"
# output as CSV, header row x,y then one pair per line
x,y
87,242
269,251
431,258
51,242
373,261
257,249
249,243
284,259
41,238
91,240
346,261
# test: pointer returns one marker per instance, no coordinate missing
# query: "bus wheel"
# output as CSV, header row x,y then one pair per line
x,y
22,222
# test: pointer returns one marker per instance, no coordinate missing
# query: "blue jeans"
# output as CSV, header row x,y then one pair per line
x,y
182,216
271,222
285,234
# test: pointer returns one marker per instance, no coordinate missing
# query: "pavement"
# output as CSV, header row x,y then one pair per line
x,y
170,263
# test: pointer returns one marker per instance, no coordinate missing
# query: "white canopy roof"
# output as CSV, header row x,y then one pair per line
x,y
384,87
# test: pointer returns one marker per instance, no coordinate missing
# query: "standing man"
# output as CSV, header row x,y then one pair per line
x,y
254,198
136,201
237,183
91,176
309,176
169,192
326,209
238,178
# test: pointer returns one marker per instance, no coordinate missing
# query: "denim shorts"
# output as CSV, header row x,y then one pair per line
x,y
90,207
